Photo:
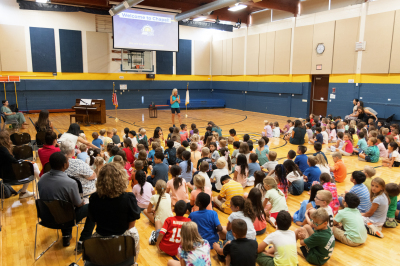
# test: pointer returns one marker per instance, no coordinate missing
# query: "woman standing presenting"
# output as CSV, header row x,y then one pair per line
x,y
175,100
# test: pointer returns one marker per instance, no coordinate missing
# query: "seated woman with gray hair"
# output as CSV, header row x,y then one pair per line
x,y
79,169
114,210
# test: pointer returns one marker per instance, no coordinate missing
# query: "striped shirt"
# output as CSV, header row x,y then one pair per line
x,y
362,192
229,190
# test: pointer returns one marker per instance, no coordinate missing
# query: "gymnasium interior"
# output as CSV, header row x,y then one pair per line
x,y
236,63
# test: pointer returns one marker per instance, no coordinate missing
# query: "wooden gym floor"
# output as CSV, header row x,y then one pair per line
x,y
19,216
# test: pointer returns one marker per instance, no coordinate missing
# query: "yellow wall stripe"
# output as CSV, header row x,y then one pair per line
x,y
334,78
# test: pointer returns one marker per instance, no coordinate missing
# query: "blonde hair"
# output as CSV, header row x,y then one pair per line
x,y
199,181
111,181
190,236
337,155
142,131
369,171
321,160
114,131
205,151
98,163
230,140
195,138
266,122
173,92
109,131
271,182
385,131
221,163
320,215
82,147
340,125
160,187
326,195
381,183
222,143
353,124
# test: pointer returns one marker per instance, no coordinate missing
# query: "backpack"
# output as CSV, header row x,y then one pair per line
x,y
8,191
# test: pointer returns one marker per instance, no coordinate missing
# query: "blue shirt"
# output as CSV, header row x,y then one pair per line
x,y
323,154
151,155
362,192
184,174
207,222
320,138
253,167
82,156
97,142
175,104
312,173
362,144
160,171
301,161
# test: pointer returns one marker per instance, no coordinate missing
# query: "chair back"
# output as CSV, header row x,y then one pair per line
x,y
40,141
113,250
23,152
80,188
55,214
20,138
46,167
3,116
22,170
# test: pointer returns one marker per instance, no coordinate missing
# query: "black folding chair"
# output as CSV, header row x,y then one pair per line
x,y
40,139
56,214
9,122
24,152
80,188
112,251
23,172
19,139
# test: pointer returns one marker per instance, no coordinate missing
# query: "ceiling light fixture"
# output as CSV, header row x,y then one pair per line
x,y
237,7
200,19
42,1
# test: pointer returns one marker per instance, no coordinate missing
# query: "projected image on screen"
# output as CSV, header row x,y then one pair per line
x,y
145,30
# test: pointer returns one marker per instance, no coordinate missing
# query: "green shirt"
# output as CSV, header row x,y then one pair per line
x,y
392,207
5,109
320,246
373,153
353,224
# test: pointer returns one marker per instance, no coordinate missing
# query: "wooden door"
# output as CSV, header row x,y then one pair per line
x,y
319,94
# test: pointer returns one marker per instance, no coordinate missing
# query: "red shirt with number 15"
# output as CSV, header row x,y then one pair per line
x,y
172,234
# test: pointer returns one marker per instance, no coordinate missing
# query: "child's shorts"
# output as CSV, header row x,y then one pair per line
x,y
367,159
396,164
274,214
304,251
265,260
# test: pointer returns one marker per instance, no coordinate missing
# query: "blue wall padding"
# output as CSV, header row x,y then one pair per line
x,y
71,51
164,63
61,94
43,50
184,58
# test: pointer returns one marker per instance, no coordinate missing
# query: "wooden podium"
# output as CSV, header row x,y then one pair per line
x,y
96,111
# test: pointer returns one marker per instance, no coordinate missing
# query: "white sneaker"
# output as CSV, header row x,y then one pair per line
x,y
27,194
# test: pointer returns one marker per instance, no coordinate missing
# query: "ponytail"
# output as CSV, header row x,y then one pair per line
x,y
245,206
225,153
159,199
186,156
177,182
160,188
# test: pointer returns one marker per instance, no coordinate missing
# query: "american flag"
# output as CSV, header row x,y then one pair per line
x,y
115,100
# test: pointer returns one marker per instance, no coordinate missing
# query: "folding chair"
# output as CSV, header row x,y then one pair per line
x,y
55,214
23,172
24,152
19,139
9,122
112,250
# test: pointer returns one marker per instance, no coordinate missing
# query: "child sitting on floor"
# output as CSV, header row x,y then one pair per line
x,y
143,190
230,188
260,224
299,216
339,169
241,170
394,156
284,250
317,241
312,173
393,191
276,197
176,186
168,240
371,154
375,217
325,180
352,231
322,199
276,131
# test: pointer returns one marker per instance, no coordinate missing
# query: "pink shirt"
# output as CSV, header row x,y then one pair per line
x,y
382,150
332,134
144,199
180,193
335,201
193,196
349,147
242,179
184,135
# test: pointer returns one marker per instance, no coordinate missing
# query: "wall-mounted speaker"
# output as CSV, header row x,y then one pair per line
x,y
150,76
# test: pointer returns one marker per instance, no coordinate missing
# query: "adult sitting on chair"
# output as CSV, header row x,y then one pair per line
x,y
114,210
56,185
48,148
79,169
43,123
13,115
6,161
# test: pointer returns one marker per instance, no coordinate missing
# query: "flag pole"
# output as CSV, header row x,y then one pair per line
x,y
187,88
116,109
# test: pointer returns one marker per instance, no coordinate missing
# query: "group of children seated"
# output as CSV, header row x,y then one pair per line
x,y
199,165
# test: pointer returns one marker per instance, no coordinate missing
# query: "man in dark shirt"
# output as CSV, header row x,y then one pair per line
x,y
241,251
56,185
